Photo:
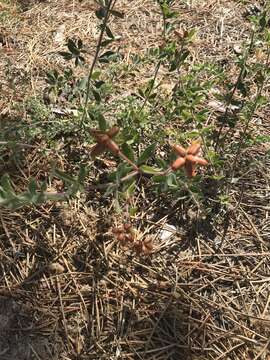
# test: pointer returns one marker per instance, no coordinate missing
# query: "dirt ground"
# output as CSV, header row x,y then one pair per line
x,y
67,291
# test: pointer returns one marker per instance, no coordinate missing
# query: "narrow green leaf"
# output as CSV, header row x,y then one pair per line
x,y
66,55
123,170
6,185
72,47
109,32
96,95
171,181
106,42
32,187
159,178
101,122
132,210
141,93
63,176
128,151
150,170
99,83
95,75
117,14
130,190
105,56
80,44
82,83
82,174
148,152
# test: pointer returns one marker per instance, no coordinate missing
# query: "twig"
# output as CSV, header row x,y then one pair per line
x,y
262,351
226,353
17,144
63,312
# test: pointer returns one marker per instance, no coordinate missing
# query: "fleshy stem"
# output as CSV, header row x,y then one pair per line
x,y
111,3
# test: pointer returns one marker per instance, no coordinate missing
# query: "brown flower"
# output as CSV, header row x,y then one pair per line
x,y
144,247
104,141
188,158
128,237
124,234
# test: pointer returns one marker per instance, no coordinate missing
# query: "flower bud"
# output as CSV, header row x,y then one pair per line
x,y
194,148
190,169
196,160
178,163
113,131
179,150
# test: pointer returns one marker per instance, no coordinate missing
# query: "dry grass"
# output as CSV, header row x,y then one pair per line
x,y
67,290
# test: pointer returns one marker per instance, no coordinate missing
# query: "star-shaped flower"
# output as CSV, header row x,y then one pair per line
x,y
188,158
104,141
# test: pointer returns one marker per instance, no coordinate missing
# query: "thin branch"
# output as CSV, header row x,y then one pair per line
x,y
17,144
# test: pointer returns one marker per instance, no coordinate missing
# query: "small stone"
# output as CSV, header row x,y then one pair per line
x,y
237,49
167,231
56,268
59,35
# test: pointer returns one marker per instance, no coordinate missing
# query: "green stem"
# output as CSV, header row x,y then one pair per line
x,y
135,167
238,80
250,117
152,87
98,47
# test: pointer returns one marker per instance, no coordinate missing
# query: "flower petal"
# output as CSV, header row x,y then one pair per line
x,y
179,150
190,169
100,137
194,148
178,163
113,131
97,150
96,133
147,246
138,247
196,160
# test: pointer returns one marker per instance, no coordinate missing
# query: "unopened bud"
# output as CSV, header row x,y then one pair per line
x,y
178,163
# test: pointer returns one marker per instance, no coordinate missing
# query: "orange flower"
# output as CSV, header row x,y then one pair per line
x,y
188,158
104,141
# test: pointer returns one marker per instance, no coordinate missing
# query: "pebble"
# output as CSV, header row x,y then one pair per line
x,y
167,231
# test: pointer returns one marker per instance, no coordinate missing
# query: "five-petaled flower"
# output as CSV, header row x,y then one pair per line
x,y
104,141
188,158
